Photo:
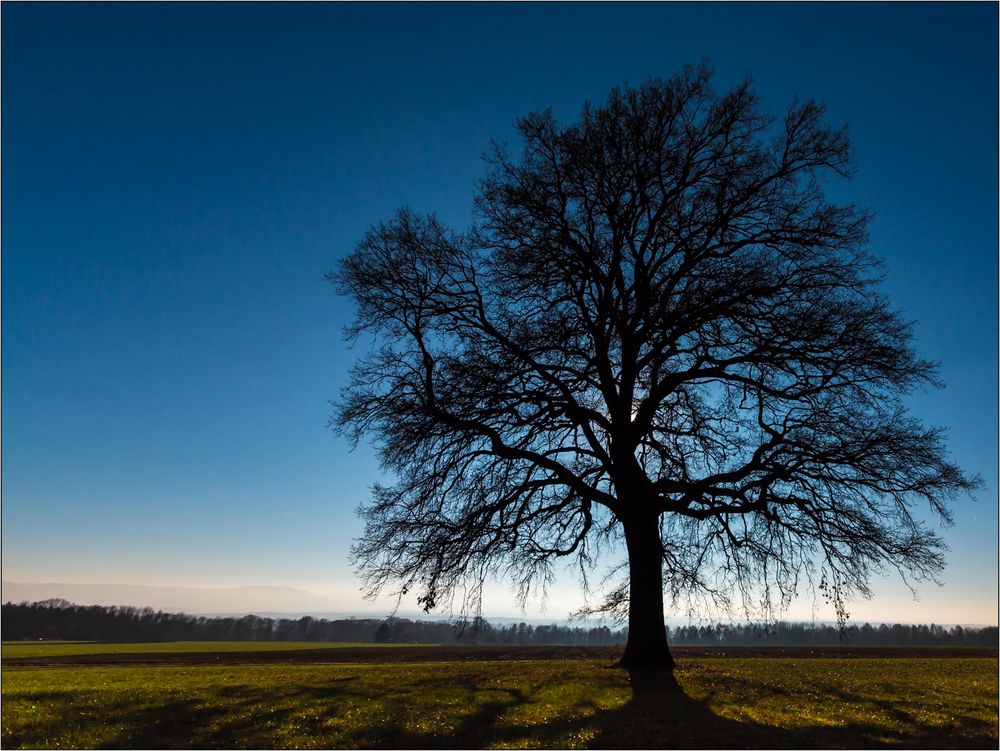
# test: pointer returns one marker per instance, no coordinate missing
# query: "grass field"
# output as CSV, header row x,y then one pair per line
x,y
727,702
59,648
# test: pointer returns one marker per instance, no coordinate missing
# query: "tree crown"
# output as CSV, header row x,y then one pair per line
x,y
658,319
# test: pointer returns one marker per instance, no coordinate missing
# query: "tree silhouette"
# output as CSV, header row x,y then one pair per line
x,y
659,331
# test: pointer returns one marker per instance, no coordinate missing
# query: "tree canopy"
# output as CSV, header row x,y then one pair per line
x,y
659,336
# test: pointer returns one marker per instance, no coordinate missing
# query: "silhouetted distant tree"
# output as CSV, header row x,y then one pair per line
x,y
661,333
382,633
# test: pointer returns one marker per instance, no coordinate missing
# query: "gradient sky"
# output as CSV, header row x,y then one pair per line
x,y
177,178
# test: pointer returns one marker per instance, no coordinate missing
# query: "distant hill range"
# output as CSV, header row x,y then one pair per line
x,y
235,600
264,601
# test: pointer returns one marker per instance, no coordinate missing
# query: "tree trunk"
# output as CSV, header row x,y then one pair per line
x,y
647,633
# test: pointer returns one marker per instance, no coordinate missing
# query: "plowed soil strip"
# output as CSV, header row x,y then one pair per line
x,y
467,653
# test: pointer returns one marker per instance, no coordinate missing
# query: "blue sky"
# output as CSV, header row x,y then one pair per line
x,y
177,178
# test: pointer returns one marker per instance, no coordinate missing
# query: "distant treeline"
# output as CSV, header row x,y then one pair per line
x,y
59,619
783,634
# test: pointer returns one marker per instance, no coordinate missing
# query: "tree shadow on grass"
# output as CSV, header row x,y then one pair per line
x,y
237,716
659,714
170,724
479,728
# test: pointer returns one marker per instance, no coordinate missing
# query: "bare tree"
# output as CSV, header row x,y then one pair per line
x,y
659,331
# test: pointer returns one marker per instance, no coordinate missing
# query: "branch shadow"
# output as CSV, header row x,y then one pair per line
x,y
661,715
658,714
230,717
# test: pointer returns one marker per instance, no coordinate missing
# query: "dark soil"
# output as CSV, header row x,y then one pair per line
x,y
468,653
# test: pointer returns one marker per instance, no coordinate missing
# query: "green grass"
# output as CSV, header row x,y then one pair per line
x,y
726,703
53,648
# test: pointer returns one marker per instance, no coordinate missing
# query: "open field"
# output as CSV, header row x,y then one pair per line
x,y
12,649
570,698
66,654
